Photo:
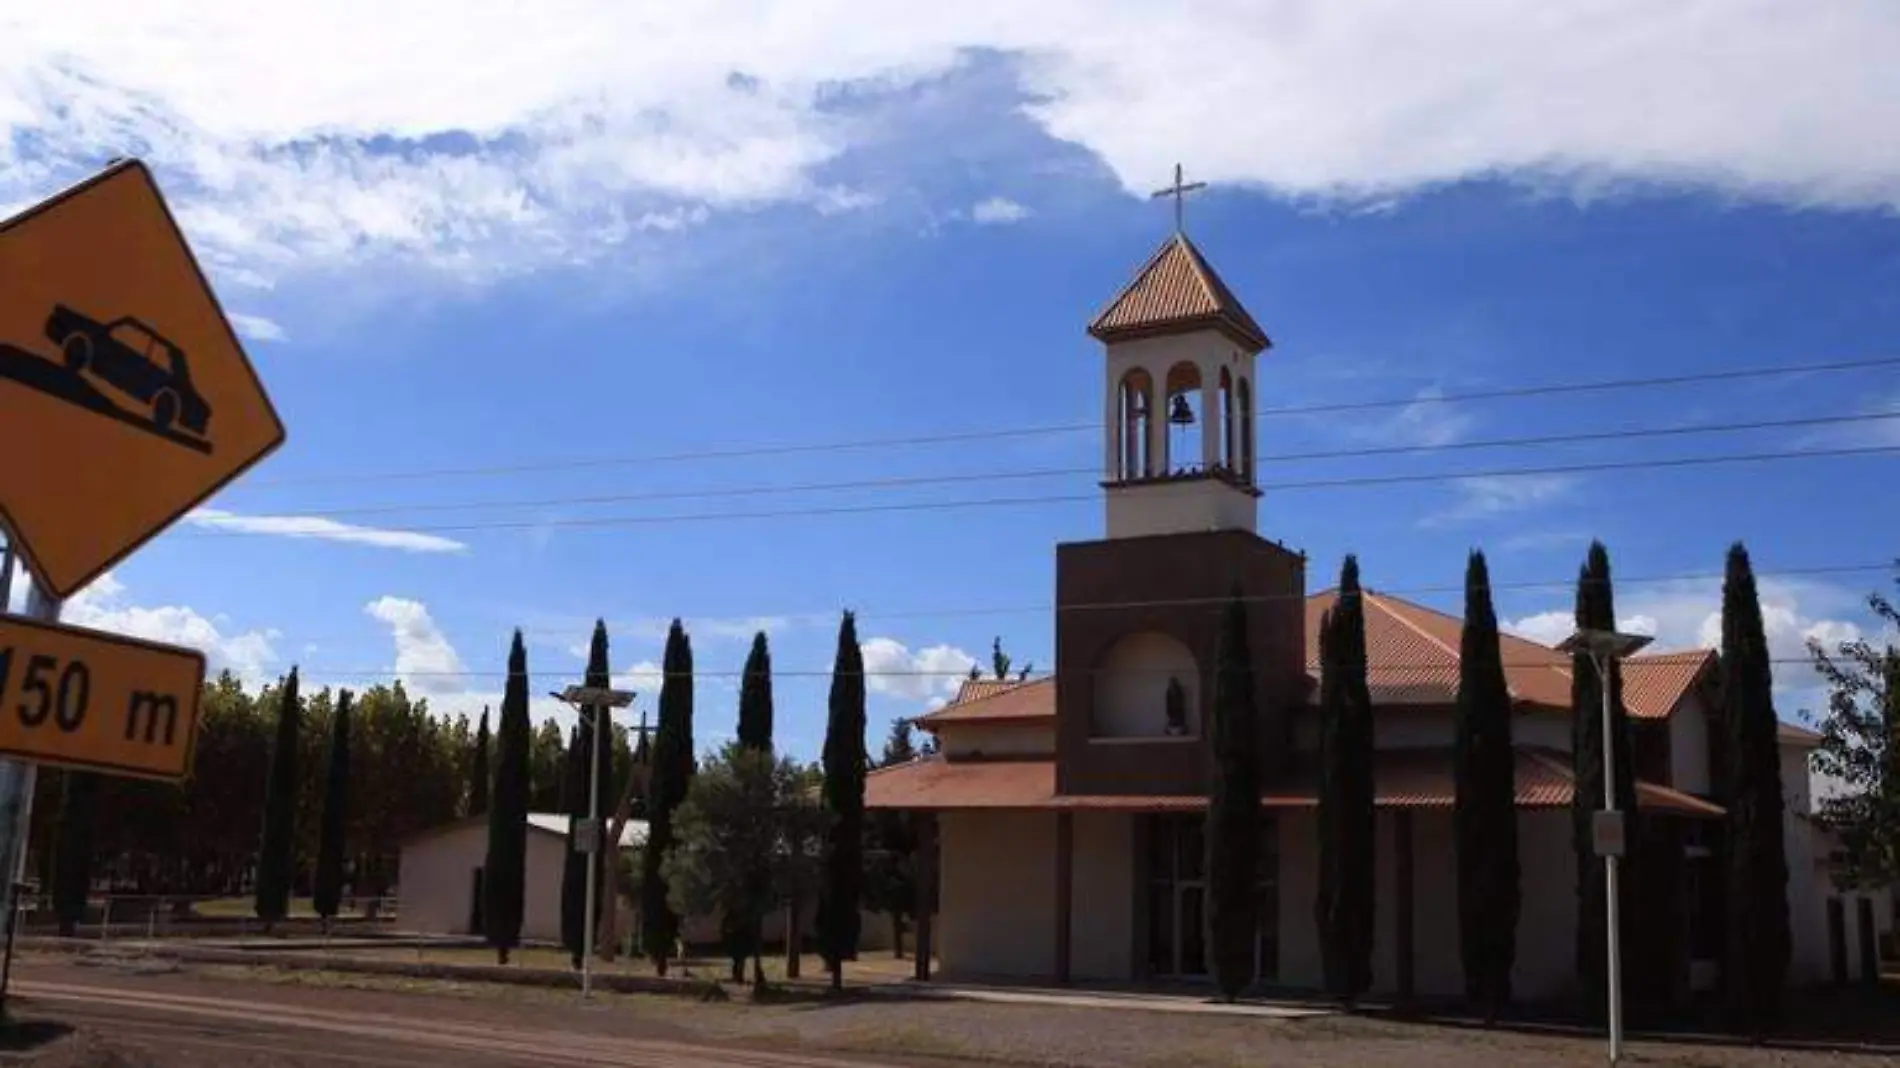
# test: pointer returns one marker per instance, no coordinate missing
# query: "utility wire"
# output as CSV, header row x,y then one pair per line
x,y
1541,390
909,481
1218,602
1072,498
1559,662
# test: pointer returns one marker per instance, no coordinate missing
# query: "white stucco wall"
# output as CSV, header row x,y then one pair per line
x,y
1689,746
996,894
1102,917
1429,727
976,739
1546,923
1131,687
436,881
1808,882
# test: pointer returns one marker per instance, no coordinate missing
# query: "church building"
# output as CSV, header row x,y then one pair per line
x,y
1063,816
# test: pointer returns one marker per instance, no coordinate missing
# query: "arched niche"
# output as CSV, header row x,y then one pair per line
x,y
1132,683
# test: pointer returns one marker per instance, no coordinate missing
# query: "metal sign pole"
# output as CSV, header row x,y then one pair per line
x,y
17,781
1613,907
593,854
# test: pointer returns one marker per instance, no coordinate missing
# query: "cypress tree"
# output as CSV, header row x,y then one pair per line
x,y
328,885
744,938
72,864
672,774
1757,899
1484,810
280,810
504,872
1596,610
478,770
1346,818
1233,808
600,762
574,868
755,698
844,767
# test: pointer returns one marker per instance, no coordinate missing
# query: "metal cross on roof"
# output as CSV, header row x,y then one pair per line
x,y
1179,191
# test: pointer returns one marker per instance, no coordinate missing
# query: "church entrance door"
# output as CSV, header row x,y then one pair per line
x,y
1177,897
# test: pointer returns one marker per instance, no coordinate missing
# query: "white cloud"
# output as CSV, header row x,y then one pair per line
x,y
589,121
256,327
1688,615
890,668
1549,628
425,660
322,529
104,606
998,210
1487,497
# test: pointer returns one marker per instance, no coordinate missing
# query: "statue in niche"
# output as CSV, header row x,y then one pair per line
x,y
1176,709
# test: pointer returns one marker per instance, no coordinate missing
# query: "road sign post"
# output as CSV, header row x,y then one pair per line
x,y
126,400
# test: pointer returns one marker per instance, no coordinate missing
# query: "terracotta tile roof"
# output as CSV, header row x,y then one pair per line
x,y
1009,702
1415,778
1654,685
1412,655
936,783
976,689
1412,651
1177,290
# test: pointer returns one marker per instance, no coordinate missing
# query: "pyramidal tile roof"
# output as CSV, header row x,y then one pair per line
x,y
1177,291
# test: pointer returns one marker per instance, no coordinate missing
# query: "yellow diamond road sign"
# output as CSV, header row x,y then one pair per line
x,y
125,397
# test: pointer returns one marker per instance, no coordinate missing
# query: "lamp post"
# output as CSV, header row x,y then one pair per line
x,y
1605,648
581,699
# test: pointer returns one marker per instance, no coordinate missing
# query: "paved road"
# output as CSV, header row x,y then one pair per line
x,y
223,1029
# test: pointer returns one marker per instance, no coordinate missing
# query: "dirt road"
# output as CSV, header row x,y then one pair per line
x,y
133,1020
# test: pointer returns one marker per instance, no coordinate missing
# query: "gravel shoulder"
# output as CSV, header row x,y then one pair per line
x,y
914,1031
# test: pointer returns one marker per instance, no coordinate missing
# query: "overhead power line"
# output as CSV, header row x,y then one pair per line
x,y
953,437
913,481
893,673
1349,482
1046,607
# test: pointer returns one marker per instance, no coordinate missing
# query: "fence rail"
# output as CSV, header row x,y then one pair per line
x,y
155,916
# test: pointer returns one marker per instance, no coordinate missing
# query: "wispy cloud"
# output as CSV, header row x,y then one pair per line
x,y
1428,421
321,529
257,328
1490,496
613,120
998,210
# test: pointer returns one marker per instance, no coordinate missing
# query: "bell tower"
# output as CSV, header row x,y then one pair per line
x,y
1178,419
1138,611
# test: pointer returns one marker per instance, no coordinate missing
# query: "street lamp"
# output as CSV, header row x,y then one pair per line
x,y
582,698
1605,648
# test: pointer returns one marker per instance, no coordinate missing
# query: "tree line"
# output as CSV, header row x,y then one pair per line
x,y
734,836
1747,782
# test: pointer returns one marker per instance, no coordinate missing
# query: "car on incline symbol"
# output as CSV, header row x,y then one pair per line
x,y
136,360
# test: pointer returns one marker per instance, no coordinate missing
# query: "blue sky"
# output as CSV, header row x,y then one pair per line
x,y
700,241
